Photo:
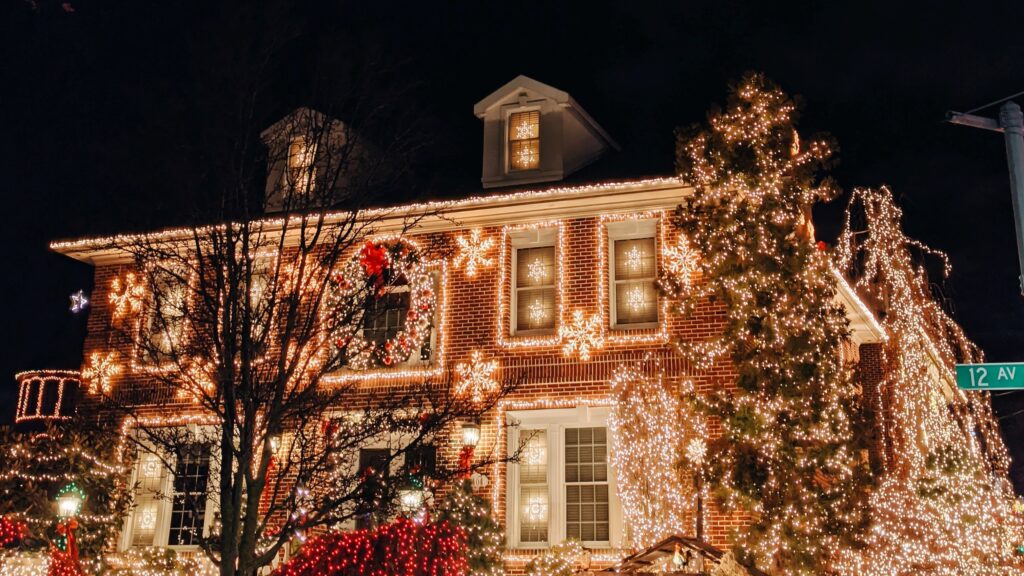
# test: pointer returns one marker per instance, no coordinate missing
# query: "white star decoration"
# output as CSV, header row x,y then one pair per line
x,y
473,252
680,260
79,301
476,377
582,335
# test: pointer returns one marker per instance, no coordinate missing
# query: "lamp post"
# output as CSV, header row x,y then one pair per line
x,y
69,505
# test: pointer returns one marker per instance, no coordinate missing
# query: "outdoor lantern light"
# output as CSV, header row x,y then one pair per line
x,y
410,499
69,501
470,434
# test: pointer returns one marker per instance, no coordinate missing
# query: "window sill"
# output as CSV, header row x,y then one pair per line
x,y
636,327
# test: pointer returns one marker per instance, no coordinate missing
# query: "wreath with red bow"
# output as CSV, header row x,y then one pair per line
x,y
379,268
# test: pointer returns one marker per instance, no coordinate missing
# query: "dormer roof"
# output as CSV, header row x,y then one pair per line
x,y
569,137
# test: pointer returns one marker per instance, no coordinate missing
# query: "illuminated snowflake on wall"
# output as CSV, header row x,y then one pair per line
x,y
680,260
126,295
473,252
582,335
477,378
100,371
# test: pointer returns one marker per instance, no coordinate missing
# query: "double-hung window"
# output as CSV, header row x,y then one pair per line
x,y
633,267
534,282
524,140
301,173
560,487
172,498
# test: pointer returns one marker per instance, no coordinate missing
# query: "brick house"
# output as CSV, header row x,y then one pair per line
x,y
552,245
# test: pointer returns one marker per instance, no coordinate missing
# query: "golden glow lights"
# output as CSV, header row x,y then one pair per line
x,y
505,339
126,295
32,394
476,378
473,252
100,371
647,443
582,336
943,504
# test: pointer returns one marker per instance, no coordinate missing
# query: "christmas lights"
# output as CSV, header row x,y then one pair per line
x,y
32,390
943,504
100,371
503,316
473,252
582,336
622,334
648,435
476,378
126,295
79,301
787,454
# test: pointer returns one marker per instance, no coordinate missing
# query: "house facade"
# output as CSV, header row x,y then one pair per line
x,y
553,281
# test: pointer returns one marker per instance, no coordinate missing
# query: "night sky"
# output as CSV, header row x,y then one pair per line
x,y
110,111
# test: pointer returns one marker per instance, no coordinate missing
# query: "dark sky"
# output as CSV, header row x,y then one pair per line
x,y
107,108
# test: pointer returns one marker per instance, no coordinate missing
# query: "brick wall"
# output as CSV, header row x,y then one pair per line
x,y
471,324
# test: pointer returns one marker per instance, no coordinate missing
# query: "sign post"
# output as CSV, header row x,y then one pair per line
x,y
1001,376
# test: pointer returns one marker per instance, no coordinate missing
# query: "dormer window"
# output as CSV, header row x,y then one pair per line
x,y
524,140
301,174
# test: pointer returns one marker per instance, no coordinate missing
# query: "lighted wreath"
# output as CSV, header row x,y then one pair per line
x,y
381,267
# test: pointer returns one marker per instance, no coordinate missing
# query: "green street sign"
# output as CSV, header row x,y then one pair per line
x,y
1008,376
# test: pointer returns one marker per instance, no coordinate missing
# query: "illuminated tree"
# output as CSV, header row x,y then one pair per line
x,y
944,504
787,453
38,465
485,538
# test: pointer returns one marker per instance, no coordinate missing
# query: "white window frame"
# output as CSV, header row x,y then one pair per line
x,y
533,238
506,145
630,230
166,502
555,421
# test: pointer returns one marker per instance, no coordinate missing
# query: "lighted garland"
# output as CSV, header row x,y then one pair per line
x,y
379,267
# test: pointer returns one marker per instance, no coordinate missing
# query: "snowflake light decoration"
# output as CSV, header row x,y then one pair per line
x,y
634,259
79,301
680,260
473,252
126,296
537,271
696,450
99,372
537,312
582,335
476,377
635,298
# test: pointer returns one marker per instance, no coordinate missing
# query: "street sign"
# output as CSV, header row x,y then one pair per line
x,y
1008,376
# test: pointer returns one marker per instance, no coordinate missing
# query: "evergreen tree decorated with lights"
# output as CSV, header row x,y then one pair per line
x,y
484,535
37,467
787,454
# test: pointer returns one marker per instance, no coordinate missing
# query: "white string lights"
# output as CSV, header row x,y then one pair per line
x,y
943,504
126,295
32,388
100,371
582,335
537,313
647,442
476,378
473,252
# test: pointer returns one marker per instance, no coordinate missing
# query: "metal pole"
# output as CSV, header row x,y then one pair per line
x,y
1011,120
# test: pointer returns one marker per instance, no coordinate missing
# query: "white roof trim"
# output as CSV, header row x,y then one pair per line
x,y
520,83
